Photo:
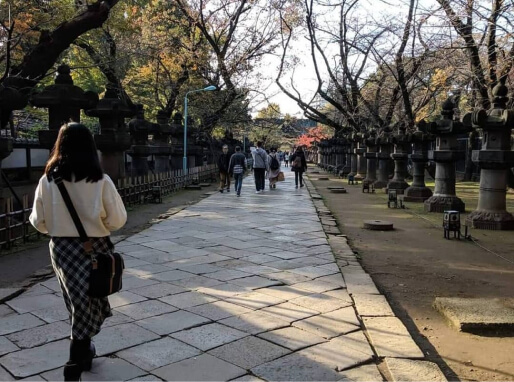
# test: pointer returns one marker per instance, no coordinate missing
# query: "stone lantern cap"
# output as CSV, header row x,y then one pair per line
x,y
447,125
496,124
111,105
64,93
139,127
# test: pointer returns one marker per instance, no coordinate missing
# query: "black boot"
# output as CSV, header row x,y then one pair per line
x,y
87,360
81,356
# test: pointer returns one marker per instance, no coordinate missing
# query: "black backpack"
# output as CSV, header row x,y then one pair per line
x,y
274,165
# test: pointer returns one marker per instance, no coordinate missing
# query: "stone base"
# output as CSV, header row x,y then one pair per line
x,y
380,184
476,315
444,203
499,221
397,185
417,194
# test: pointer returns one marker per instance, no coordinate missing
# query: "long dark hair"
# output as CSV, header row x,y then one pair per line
x,y
75,154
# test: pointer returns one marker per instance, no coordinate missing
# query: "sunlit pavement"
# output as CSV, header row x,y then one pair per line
x,y
232,288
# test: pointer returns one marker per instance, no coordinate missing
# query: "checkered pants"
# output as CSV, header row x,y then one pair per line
x,y
72,266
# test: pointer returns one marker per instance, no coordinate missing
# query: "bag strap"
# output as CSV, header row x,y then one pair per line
x,y
87,244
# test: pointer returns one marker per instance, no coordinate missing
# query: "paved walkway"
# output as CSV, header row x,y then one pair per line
x,y
231,288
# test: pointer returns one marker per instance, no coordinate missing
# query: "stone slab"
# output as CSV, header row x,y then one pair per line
x,y
15,323
477,314
362,374
317,286
29,362
285,292
49,315
359,282
155,354
342,352
7,346
207,337
172,322
414,370
124,298
119,337
255,300
289,312
249,352
158,290
145,309
8,293
390,338
295,367
322,303
292,338
202,368
41,335
28,304
188,299
5,311
255,282
4,375
372,305
224,290
331,324
219,310
254,322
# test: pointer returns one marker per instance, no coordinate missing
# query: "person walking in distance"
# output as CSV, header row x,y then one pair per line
x,y
223,162
260,165
237,167
274,168
286,159
74,162
298,165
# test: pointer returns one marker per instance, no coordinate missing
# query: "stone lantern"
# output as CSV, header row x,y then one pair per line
x,y
402,148
360,150
139,128
445,155
385,144
354,138
322,153
64,101
114,138
371,156
495,160
418,191
161,141
177,141
340,154
347,154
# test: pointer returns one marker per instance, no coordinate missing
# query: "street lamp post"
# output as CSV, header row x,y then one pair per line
x,y
184,161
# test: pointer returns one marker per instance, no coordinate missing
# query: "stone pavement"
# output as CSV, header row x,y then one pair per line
x,y
231,288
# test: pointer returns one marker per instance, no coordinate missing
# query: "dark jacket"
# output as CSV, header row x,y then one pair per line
x,y
223,162
304,162
237,163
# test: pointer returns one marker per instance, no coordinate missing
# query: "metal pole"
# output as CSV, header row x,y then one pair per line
x,y
184,160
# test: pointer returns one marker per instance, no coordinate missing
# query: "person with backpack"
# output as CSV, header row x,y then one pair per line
x,y
237,167
260,165
298,165
274,168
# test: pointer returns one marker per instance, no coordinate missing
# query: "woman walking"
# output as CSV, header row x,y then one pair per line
x,y
286,159
274,168
298,165
74,159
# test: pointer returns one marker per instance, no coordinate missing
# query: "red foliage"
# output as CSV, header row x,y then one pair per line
x,y
314,134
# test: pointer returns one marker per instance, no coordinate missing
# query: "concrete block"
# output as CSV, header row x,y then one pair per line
x,y
414,370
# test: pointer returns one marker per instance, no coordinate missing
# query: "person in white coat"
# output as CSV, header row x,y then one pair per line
x,y
101,210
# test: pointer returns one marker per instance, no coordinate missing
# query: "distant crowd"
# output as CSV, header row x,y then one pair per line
x,y
266,164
